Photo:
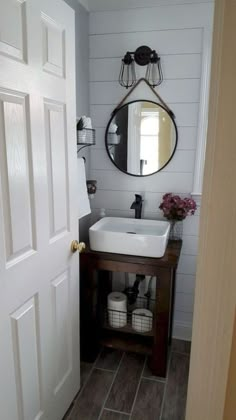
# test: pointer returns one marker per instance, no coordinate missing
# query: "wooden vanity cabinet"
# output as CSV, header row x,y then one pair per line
x,y
96,284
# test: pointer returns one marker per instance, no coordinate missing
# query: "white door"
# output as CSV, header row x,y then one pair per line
x,y
39,277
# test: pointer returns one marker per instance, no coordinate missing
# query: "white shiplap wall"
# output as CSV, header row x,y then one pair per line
x,y
178,33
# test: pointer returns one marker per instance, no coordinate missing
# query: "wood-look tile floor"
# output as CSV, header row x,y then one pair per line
x,y
119,386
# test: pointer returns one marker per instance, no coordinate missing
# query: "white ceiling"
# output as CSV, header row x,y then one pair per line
x,y
99,5
84,3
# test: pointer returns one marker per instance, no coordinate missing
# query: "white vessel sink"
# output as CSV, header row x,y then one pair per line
x,y
146,238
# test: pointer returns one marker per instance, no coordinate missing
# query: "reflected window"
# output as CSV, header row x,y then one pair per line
x,y
149,149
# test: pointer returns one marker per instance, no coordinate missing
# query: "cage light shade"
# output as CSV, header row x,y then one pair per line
x,y
154,72
127,77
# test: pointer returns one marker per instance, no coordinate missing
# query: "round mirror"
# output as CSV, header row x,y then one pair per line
x,y
141,138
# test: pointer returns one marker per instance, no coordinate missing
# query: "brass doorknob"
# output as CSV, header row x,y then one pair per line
x,y
76,246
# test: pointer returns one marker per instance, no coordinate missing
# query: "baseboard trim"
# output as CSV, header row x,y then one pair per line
x,y
182,331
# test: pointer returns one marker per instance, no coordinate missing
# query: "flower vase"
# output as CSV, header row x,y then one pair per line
x,y
176,230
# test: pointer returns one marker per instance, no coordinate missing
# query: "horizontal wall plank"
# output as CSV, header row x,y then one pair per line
x,y
182,161
186,114
173,66
190,245
100,138
101,5
161,18
127,212
185,41
182,331
191,225
183,317
184,302
187,264
161,182
124,199
179,90
95,212
185,283
186,138
100,160
101,114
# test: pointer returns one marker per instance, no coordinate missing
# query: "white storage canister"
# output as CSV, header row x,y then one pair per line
x,y
142,320
117,309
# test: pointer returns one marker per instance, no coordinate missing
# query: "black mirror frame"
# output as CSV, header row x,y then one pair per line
x,y
171,115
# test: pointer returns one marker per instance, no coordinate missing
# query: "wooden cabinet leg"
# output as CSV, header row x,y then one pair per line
x,y
173,286
158,360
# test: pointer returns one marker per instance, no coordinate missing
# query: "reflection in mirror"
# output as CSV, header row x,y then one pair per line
x,y
141,138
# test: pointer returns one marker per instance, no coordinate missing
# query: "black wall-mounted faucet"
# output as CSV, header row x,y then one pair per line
x,y
137,206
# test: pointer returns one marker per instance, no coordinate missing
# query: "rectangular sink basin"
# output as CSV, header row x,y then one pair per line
x,y
145,238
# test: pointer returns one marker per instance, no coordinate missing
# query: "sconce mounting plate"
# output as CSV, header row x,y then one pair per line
x,y
142,55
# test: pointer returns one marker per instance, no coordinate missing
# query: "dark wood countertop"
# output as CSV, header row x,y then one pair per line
x,y
170,258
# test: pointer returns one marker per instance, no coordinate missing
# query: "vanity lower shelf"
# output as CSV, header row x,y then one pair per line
x,y
125,342
129,322
128,330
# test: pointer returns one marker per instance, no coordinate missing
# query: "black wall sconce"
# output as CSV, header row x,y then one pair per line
x,y
143,56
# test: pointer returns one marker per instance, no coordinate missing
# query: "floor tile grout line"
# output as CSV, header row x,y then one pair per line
x,y
105,370
88,377
136,395
84,385
99,354
180,352
115,411
162,381
165,387
80,392
112,382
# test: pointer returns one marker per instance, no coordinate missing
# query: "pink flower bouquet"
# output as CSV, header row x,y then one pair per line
x,y
176,208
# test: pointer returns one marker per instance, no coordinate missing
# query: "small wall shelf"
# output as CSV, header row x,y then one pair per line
x,y
85,138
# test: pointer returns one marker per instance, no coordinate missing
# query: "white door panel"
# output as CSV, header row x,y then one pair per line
x,y
55,126
13,38
39,277
53,46
26,351
16,164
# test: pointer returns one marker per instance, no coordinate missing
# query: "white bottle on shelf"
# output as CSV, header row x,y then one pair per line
x,y
102,213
